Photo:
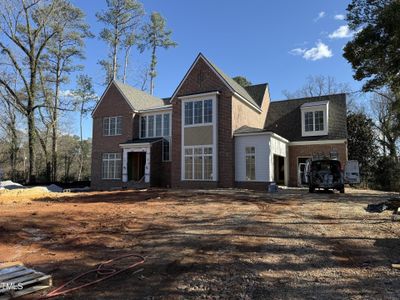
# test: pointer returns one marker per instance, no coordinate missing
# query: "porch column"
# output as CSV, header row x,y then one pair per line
x,y
125,165
147,166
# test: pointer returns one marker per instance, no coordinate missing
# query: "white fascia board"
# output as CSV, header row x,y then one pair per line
x,y
321,142
135,145
278,137
200,95
155,109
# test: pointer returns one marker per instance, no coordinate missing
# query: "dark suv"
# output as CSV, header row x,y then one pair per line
x,y
324,174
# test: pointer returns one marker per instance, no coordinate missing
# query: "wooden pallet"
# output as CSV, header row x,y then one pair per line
x,y
18,275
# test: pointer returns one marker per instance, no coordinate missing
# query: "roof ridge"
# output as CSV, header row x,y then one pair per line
x,y
310,97
232,83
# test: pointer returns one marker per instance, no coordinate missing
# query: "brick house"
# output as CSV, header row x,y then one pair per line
x,y
210,133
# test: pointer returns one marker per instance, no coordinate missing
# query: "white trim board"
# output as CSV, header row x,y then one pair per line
x,y
321,142
155,109
278,137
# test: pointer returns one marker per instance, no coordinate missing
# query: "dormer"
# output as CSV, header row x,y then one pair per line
x,y
314,118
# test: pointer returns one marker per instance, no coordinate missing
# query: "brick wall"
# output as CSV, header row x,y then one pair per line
x,y
155,163
200,80
309,150
113,104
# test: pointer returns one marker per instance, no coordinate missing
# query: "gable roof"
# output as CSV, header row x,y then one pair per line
x,y
231,84
137,99
257,92
284,118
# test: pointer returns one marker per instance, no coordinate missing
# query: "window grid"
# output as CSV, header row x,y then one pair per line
x,y
198,112
158,125
198,163
250,163
309,121
112,126
319,120
111,168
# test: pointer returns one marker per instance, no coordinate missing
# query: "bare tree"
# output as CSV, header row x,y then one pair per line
x,y
27,27
384,111
318,86
84,100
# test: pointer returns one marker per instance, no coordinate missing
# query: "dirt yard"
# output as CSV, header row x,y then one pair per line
x,y
222,244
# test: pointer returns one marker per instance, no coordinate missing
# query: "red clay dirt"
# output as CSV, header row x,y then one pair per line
x,y
220,244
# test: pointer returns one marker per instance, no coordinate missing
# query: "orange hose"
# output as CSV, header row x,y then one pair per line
x,y
100,270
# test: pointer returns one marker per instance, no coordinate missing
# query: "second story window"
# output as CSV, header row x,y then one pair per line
x,y
198,112
112,126
158,125
314,118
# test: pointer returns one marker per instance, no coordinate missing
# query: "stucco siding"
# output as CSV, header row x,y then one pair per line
x,y
201,135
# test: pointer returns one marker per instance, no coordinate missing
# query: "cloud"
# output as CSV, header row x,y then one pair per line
x,y
342,32
320,51
339,17
320,16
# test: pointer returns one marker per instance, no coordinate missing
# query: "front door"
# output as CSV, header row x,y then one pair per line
x,y
136,166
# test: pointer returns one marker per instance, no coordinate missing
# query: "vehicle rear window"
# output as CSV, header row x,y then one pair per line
x,y
325,165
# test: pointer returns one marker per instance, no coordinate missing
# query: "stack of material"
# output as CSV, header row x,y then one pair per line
x,y
17,280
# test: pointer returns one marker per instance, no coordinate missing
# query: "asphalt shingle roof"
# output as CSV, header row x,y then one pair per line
x,y
284,118
137,98
236,86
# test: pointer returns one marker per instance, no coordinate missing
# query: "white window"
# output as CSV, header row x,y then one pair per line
x,y
111,166
112,126
198,112
314,118
250,163
158,125
198,163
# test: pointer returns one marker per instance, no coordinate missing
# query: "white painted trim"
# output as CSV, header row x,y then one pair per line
x,y
145,147
278,137
318,106
200,95
105,92
214,146
136,145
322,142
155,109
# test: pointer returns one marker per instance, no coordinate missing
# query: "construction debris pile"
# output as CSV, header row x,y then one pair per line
x,y
392,204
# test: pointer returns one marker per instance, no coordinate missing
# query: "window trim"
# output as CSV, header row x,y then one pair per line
x,y
169,137
115,177
154,125
325,113
109,125
193,101
255,162
202,147
214,101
